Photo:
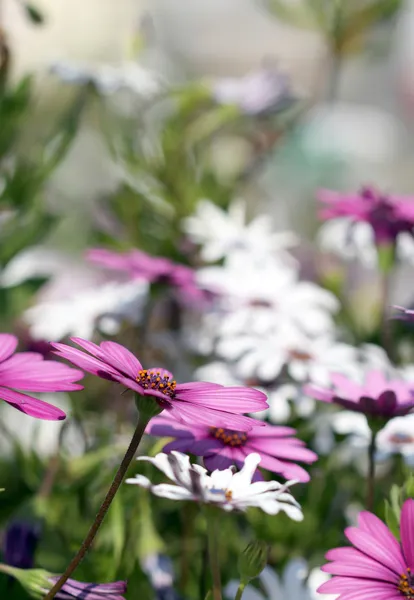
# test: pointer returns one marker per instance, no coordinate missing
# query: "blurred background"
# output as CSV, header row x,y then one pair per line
x,y
118,119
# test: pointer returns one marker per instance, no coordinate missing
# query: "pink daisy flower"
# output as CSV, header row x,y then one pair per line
x,y
377,396
388,215
28,371
222,448
90,591
154,269
206,403
377,566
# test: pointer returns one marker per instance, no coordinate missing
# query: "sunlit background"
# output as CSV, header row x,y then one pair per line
x,y
201,132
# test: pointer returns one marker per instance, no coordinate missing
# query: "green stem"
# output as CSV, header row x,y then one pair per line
x,y
143,421
213,552
371,471
240,591
386,323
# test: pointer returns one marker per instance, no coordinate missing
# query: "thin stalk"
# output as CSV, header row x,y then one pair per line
x,y
213,552
240,591
371,471
386,323
119,476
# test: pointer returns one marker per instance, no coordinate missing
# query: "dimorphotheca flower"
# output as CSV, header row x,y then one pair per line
x,y
388,215
221,232
377,396
29,372
377,566
153,269
222,448
207,403
225,489
90,591
261,91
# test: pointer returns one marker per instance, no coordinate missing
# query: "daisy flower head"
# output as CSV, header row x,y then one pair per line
x,y
225,489
221,232
152,269
206,403
76,590
28,371
388,215
261,91
377,565
376,396
221,447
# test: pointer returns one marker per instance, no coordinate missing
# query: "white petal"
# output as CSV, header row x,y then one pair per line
x,y
243,479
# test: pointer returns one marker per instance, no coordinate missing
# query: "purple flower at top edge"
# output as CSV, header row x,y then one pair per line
x,y
256,93
388,215
19,544
405,314
377,566
154,269
376,397
90,591
222,448
205,403
28,371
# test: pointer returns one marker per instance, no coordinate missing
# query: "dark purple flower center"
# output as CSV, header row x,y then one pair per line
x,y
228,436
151,380
406,584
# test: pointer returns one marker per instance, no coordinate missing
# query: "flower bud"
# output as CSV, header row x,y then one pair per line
x,y
252,561
36,582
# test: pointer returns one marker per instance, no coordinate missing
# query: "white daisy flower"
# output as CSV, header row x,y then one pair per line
x,y
225,489
296,583
220,232
109,79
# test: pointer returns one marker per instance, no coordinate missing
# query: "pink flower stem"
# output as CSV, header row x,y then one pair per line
x,y
143,421
371,471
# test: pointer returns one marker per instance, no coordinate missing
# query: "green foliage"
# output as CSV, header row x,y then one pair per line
x,y
344,23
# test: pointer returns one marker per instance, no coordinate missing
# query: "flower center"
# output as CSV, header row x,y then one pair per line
x,y
401,438
228,436
406,584
300,355
153,380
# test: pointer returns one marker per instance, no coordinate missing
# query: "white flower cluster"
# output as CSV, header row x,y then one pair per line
x,y
266,321
225,489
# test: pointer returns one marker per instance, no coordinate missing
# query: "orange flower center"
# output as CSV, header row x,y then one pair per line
x,y
406,584
153,380
228,436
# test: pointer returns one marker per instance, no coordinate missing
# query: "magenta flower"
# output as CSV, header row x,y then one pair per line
x,y
90,591
222,448
388,215
28,371
206,403
377,567
376,397
154,269
405,314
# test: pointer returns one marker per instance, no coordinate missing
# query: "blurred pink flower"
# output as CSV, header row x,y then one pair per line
x,y
206,403
388,215
222,448
377,566
377,396
28,371
264,90
154,269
